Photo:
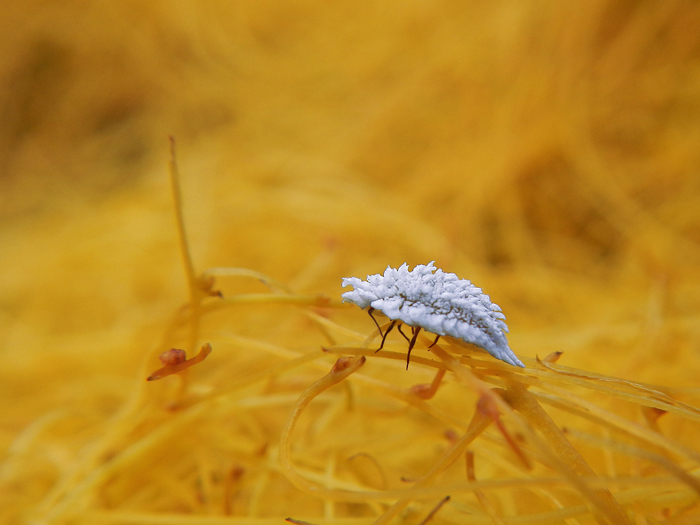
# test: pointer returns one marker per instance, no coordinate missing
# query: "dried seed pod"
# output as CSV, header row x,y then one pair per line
x,y
174,361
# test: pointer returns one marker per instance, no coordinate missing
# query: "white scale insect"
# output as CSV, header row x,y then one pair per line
x,y
435,301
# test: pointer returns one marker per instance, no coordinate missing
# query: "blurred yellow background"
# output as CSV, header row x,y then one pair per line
x,y
548,151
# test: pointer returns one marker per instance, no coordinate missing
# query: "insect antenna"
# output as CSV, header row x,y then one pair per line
x,y
389,329
413,342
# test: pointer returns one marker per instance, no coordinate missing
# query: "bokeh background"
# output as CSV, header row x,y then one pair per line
x,y
548,151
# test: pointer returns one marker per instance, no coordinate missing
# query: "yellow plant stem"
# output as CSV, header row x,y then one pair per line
x,y
342,369
563,455
193,284
478,424
571,464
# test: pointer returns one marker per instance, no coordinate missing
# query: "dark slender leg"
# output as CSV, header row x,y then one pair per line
x,y
410,345
436,340
404,335
389,329
375,321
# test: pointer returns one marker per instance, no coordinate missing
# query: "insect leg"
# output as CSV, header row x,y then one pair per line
x,y
410,345
404,335
436,340
389,329
375,321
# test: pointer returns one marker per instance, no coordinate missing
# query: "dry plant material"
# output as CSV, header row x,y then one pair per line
x,y
487,406
529,454
438,302
174,356
175,360
555,444
433,512
483,500
198,288
428,391
298,522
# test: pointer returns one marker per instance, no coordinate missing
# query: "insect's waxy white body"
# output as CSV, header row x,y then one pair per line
x,y
438,302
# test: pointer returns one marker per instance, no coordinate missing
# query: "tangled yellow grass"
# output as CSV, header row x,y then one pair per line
x,y
548,152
